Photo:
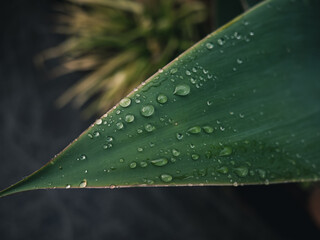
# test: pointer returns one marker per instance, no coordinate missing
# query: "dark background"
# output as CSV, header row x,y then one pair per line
x,y
32,130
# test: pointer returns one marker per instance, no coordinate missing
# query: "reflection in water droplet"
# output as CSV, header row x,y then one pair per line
x,y
166,178
182,90
147,110
125,102
83,183
162,98
160,162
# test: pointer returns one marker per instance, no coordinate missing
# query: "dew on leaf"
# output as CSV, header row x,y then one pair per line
x,y
175,152
125,102
226,151
162,98
119,125
160,162
241,171
194,130
149,127
83,183
133,165
209,45
129,118
223,170
207,129
166,178
195,156
182,90
147,110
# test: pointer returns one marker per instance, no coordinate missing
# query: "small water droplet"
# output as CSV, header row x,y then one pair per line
x,y
239,61
149,128
209,103
96,134
195,156
194,130
160,162
160,70
147,110
220,41
119,125
182,90
98,121
188,73
143,164
207,129
173,71
83,157
179,136
129,118
90,135
133,165
241,171
223,170
83,183
209,45
162,98
175,152
125,102
226,151
140,149
166,178
68,186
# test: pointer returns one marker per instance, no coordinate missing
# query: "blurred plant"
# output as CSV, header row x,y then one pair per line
x,y
121,43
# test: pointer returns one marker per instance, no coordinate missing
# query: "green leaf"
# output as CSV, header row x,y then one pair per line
x,y
240,107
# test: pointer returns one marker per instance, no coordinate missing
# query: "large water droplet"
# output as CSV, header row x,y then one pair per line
x,y
129,118
147,110
162,98
182,90
125,102
194,130
83,183
241,171
166,178
160,162
226,151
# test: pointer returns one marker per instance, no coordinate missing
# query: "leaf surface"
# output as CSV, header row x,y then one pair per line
x,y
240,107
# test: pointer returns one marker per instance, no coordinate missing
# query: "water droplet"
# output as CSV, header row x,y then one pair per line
x,y
109,139
98,121
133,165
182,90
162,98
149,128
143,164
194,130
160,162
195,156
188,73
194,70
125,102
239,61
223,170
96,134
220,41
241,171
129,118
226,151
140,149
166,178
262,173
160,70
207,129
179,136
209,45
90,135
119,125
83,157
147,110
68,186
173,71
175,152
83,183
209,103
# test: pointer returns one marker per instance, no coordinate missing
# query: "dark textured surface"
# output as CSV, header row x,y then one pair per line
x,y
32,130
